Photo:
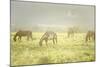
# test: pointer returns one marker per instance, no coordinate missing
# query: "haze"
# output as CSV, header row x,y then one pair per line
x,y
34,15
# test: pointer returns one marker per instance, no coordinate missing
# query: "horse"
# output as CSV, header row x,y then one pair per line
x,y
70,32
21,33
49,35
90,36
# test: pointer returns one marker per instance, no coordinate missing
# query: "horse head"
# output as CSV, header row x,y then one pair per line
x,y
14,38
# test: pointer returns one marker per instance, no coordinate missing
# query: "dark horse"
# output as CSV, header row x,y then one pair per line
x,y
49,35
20,33
90,35
70,32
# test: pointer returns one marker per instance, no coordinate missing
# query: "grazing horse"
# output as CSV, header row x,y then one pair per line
x,y
90,35
70,32
20,33
49,35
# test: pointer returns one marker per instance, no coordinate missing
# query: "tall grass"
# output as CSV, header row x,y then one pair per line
x,y
73,49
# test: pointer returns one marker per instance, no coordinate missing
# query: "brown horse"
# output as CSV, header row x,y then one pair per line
x,y
21,33
49,35
70,32
90,36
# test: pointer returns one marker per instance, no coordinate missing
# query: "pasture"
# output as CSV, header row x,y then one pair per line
x,y
72,49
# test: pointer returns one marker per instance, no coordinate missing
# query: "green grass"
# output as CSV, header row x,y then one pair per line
x,y
73,49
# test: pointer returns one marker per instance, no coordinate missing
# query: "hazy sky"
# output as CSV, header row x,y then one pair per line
x,y
30,14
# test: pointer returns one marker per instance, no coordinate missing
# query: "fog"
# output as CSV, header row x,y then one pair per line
x,y
44,16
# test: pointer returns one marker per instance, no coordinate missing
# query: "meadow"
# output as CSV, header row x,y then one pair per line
x,y
67,50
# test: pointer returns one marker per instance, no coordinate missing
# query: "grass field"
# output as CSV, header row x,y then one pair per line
x,y
73,49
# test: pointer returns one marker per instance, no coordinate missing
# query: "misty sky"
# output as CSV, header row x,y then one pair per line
x,y
30,14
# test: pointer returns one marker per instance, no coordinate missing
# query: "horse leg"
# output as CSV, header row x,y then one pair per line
x,y
68,35
46,42
94,37
19,38
56,40
31,37
89,38
86,38
27,38
53,41
40,43
72,34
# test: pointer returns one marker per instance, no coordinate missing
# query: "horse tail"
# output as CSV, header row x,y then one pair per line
x,y
56,37
94,36
68,34
15,37
88,35
86,38
31,35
